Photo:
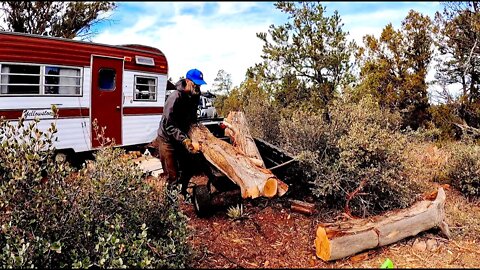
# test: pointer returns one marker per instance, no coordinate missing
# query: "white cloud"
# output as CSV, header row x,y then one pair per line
x,y
377,18
231,8
222,35
190,41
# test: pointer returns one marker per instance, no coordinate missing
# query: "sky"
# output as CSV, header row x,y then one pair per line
x,y
211,36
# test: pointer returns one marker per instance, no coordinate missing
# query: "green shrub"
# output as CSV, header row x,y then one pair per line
x,y
359,144
104,215
114,188
263,119
464,168
30,202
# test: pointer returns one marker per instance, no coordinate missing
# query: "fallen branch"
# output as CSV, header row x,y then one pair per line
x,y
302,207
351,195
338,240
466,129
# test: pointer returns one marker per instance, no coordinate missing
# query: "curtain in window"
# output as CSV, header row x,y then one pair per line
x,y
151,89
4,79
67,83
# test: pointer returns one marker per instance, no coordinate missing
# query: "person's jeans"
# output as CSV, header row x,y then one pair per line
x,y
176,163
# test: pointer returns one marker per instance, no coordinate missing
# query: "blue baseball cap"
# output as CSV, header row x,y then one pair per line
x,y
195,76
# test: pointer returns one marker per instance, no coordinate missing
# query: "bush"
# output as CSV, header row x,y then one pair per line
x,y
106,216
464,168
425,161
263,119
443,117
358,149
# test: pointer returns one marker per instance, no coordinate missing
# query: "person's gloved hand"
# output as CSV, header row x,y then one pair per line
x,y
191,147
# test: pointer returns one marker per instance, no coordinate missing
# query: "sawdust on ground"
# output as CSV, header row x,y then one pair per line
x,y
270,235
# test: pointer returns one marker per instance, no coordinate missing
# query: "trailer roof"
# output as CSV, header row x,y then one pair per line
x,y
132,47
21,47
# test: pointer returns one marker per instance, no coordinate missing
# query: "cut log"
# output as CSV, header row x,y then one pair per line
x,y
282,188
239,133
338,240
302,207
253,181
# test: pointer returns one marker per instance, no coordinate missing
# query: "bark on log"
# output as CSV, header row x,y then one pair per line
x,y
338,240
302,207
239,133
240,136
252,180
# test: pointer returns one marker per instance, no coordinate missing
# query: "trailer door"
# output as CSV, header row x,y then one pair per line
x,y
106,102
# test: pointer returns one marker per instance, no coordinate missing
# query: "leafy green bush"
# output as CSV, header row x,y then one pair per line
x,y
103,215
464,168
116,194
29,201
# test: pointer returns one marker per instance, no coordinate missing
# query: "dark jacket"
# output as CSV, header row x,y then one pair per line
x,y
179,112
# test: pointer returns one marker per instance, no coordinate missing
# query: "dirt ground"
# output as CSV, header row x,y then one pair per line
x,y
270,235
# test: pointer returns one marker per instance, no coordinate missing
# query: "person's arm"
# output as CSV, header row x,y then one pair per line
x,y
171,125
194,115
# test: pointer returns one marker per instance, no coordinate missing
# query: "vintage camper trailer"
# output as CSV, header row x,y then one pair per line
x,y
121,87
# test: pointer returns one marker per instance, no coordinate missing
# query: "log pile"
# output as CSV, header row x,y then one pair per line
x,y
338,240
236,162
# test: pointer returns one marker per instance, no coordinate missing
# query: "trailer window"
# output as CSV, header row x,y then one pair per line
x,y
106,79
34,79
145,88
62,80
17,79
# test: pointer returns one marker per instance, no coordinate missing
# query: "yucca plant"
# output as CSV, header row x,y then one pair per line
x,y
235,212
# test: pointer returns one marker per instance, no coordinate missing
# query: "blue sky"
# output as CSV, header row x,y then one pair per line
x,y
222,35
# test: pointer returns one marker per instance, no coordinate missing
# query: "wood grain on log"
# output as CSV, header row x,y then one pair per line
x,y
253,181
338,240
239,132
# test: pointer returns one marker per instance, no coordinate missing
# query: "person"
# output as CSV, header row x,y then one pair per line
x,y
174,146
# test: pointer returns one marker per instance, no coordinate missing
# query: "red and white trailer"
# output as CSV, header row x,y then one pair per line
x,y
122,87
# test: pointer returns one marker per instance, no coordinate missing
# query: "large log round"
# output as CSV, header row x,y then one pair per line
x,y
338,240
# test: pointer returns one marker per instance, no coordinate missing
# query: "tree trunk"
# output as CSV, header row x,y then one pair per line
x,y
466,129
239,133
338,240
253,181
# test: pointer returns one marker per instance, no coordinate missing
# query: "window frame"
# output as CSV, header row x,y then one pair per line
x,y
135,88
42,76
